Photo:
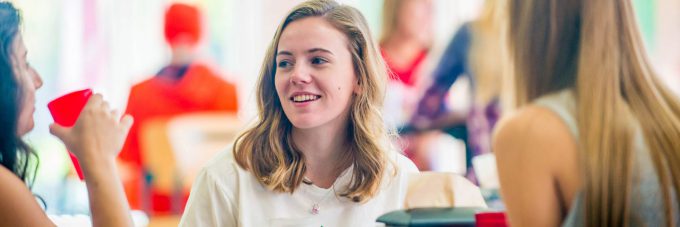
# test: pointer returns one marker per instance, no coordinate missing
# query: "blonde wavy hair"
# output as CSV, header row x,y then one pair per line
x,y
594,48
390,16
267,149
390,20
487,51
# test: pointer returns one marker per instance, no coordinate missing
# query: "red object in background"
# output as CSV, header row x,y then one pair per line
x,y
65,111
200,89
405,74
182,24
490,219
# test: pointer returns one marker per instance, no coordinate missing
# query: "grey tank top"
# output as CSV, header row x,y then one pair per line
x,y
647,197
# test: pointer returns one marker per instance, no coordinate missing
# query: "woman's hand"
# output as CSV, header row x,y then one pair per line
x,y
98,133
96,139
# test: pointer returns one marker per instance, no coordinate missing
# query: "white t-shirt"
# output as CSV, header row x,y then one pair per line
x,y
224,194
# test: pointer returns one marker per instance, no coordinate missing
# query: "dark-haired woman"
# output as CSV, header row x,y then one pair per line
x,y
95,139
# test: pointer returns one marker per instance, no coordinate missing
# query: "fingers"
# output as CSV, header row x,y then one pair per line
x,y
58,131
105,106
126,123
115,114
97,104
95,100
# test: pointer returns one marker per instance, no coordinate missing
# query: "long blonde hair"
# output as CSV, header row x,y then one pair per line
x,y
390,17
487,51
267,149
594,47
390,22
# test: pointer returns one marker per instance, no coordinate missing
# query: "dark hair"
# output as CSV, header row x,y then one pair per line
x,y
14,153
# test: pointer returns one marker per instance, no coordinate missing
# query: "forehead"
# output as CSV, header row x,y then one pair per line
x,y
312,32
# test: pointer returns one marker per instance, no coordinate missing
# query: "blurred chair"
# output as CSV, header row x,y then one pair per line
x,y
439,189
196,138
176,148
437,199
157,158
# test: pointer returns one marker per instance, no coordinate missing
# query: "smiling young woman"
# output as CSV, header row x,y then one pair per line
x,y
319,153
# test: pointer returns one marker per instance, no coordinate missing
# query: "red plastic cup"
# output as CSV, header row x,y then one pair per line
x,y
490,219
65,111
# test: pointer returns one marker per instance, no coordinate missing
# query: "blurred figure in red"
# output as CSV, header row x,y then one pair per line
x,y
184,86
405,42
407,35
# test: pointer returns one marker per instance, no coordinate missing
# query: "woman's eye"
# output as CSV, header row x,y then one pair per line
x,y
283,64
318,61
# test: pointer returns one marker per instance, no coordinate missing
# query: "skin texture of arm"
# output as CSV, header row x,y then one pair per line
x,y
19,207
537,160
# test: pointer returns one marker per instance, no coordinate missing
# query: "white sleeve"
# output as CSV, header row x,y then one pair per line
x,y
406,164
210,204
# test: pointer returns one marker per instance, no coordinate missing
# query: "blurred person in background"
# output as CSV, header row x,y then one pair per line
x,y
184,86
595,138
319,154
95,139
406,39
476,51
407,34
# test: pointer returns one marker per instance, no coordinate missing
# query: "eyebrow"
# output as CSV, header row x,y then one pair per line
x,y
309,51
319,50
284,53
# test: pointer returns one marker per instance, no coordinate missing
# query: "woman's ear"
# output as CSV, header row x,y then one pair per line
x,y
357,88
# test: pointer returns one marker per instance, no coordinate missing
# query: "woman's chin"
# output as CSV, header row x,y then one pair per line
x,y
305,123
25,128
23,132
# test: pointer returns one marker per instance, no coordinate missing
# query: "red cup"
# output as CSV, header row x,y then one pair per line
x,y
65,111
490,219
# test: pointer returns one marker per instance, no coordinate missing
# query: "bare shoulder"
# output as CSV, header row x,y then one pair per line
x,y
19,207
12,185
535,131
536,156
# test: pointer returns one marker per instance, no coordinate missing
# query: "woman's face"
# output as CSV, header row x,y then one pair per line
x,y
315,77
415,20
29,82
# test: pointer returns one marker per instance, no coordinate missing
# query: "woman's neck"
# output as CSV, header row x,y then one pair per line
x,y
326,153
182,55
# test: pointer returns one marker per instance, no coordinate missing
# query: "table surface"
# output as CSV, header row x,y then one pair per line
x,y
164,221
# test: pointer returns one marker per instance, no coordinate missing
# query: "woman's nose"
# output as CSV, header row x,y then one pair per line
x,y
300,75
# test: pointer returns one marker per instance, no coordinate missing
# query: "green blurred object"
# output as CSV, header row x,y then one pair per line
x,y
459,216
54,163
645,11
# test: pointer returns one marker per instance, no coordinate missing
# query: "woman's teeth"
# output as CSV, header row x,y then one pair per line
x,y
305,98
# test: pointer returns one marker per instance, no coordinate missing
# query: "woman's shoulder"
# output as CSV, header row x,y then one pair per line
x,y
534,133
222,169
18,202
13,183
532,125
400,162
